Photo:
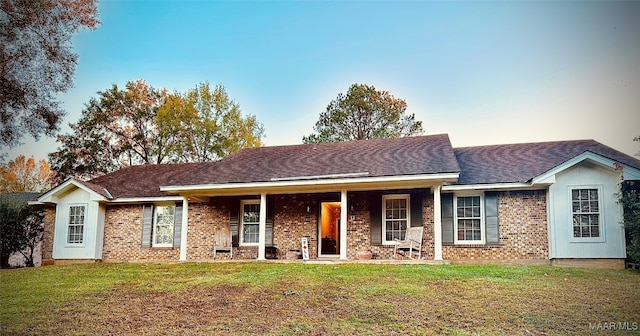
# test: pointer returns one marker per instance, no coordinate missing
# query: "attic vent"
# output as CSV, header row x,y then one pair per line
x,y
318,177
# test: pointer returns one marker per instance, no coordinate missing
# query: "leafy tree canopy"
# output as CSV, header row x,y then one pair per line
x,y
143,125
37,62
364,113
207,125
25,175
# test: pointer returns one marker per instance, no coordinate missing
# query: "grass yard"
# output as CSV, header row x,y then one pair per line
x,y
312,299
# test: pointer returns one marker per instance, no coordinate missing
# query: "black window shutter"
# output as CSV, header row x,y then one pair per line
x,y
234,221
491,217
416,208
446,210
147,224
177,226
375,215
268,239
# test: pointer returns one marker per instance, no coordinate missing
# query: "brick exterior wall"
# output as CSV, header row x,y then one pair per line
x,y
123,237
204,219
292,222
201,231
522,221
47,235
521,214
359,228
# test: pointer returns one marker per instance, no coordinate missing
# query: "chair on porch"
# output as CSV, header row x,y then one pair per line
x,y
412,242
222,242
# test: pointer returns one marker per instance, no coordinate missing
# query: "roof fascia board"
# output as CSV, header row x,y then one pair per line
x,y
50,196
444,177
630,173
492,186
549,176
131,200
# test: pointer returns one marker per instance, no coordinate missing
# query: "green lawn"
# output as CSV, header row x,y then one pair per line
x,y
312,299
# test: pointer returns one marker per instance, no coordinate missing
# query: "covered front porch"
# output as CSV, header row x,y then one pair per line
x,y
337,224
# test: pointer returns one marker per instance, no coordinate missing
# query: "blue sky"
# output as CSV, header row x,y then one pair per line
x,y
483,72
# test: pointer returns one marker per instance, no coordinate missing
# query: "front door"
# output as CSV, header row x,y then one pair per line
x,y
328,229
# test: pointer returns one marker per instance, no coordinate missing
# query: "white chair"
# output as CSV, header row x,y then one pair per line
x,y
412,242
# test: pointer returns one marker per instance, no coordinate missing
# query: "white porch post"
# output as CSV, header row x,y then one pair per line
x,y
437,224
184,229
343,225
262,227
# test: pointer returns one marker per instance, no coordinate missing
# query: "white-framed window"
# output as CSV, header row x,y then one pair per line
x,y
77,215
469,219
163,223
250,222
395,217
586,212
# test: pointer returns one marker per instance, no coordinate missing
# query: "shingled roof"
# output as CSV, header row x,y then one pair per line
x,y
143,180
431,154
522,162
19,197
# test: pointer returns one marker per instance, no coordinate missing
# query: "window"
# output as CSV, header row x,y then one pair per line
x,y
585,210
395,216
250,222
468,222
163,226
76,224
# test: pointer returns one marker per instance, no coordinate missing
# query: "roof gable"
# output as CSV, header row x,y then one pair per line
x,y
96,192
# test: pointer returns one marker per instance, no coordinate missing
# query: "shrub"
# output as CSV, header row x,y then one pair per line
x,y
630,200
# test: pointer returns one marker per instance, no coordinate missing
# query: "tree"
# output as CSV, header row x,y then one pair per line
x,y
364,113
144,125
208,125
116,130
37,62
25,175
21,229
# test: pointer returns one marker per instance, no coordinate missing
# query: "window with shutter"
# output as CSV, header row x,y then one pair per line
x,y
164,221
395,217
469,225
250,222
